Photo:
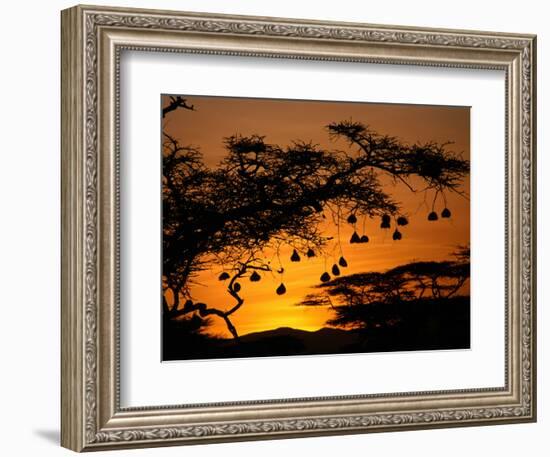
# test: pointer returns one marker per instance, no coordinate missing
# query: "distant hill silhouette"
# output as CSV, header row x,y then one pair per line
x,y
322,341
276,342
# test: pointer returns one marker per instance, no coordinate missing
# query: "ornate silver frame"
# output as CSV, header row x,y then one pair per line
x,y
92,40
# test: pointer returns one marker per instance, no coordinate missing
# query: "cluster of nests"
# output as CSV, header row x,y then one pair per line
x,y
385,223
295,257
445,214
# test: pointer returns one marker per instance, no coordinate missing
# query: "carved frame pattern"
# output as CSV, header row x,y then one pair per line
x,y
86,24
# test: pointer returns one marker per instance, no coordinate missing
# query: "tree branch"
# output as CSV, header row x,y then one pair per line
x,y
175,103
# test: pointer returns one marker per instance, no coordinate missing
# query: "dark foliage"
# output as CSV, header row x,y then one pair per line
x,y
413,306
181,337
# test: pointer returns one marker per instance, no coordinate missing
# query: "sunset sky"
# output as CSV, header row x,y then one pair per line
x,y
281,122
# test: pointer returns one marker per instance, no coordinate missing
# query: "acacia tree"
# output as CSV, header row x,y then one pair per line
x,y
369,300
264,196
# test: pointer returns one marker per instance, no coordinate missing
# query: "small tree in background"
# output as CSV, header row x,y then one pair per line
x,y
416,297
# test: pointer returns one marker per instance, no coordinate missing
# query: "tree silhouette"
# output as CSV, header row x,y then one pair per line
x,y
175,103
264,196
402,298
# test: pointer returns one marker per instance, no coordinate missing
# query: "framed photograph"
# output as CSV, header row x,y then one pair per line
x,y
276,228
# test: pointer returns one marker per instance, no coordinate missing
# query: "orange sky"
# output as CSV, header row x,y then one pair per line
x,y
282,121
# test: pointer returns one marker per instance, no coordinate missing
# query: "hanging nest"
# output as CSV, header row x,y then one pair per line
x,y
295,257
224,276
317,207
386,221
255,277
397,235
342,262
310,253
281,290
355,238
432,216
325,277
364,239
335,270
202,309
352,219
236,287
402,220
446,213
